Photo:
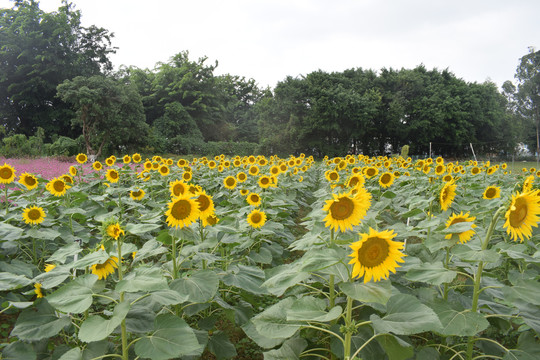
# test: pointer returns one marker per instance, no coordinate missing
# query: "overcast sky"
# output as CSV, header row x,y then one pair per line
x,y
268,40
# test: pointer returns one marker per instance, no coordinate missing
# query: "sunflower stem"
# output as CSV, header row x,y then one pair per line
x,y
349,331
123,323
478,276
6,198
447,260
173,255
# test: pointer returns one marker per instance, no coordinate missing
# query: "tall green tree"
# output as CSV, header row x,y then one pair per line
x,y
109,112
528,91
38,51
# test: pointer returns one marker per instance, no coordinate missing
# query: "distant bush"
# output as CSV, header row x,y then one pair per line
x,y
19,145
64,146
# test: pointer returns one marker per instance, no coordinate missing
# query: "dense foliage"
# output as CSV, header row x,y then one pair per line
x,y
182,105
353,257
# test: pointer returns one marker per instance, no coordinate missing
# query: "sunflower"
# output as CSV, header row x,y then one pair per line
x,y
183,211
97,166
528,183
186,176
147,165
345,211
241,177
73,171
448,178
253,170
137,194
37,290
114,231
370,172
105,269
164,170
112,175
283,167
7,174
375,255
455,219
492,192
57,187
81,158
49,267
136,158
447,195
181,163
254,199
256,218
229,182
33,215
212,164
210,220
111,160
475,170
206,204
440,169
126,159
355,179
28,180
177,188
67,179
274,170
386,179
332,176
264,181
522,215
244,192
145,175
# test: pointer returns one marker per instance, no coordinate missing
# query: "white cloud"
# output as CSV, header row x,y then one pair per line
x,y
268,40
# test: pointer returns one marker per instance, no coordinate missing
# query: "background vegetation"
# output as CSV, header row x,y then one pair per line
x,y
58,90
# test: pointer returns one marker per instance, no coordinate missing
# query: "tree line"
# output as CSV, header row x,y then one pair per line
x,y
57,86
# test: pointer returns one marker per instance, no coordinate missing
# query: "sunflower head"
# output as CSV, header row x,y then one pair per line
x,y
126,159
186,176
229,182
112,176
253,170
456,219
182,211
28,180
265,181
33,215
114,230
37,290
110,160
177,188
370,172
522,215
105,269
386,179
57,187
97,166
376,255
81,158
206,204
136,158
72,171
492,192
241,176
256,218
528,183
210,220
346,210
447,195
137,194
7,174
254,199
164,170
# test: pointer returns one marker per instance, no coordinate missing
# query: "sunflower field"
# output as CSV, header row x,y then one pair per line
x,y
257,257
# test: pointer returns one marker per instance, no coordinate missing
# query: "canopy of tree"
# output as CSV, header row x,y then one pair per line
x,y
56,74
39,51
